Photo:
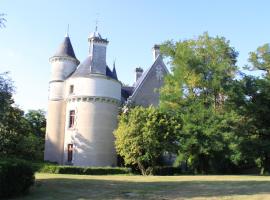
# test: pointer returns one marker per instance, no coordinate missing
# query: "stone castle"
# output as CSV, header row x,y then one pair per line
x,y
85,99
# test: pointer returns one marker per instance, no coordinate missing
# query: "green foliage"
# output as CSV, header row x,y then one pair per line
x,y
20,136
16,177
203,70
37,123
252,101
56,169
166,170
145,134
260,59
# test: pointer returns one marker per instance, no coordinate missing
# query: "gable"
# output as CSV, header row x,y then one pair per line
x,y
146,89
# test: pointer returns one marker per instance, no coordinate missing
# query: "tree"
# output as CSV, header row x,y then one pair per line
x,y
252,102
20,136
13,127
37,123
203,70
260,59
144,135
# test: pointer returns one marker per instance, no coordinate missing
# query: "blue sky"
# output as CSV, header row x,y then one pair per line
x,y
34,29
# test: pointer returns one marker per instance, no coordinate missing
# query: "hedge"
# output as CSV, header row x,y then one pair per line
x,y
16,177
58,169
166,170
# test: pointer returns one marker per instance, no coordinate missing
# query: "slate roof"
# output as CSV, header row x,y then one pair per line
x,y
111,74
84,70
140,81
126,91
65,49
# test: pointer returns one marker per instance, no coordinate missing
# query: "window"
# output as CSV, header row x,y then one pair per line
x,y
71,118
71,89
70,152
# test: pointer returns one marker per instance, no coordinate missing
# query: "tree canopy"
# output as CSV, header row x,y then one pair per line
x,y
144,135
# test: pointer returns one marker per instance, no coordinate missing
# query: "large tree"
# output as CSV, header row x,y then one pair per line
x,y
144,135
20,136
203,70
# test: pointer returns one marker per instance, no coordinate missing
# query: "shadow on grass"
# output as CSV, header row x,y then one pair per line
x,y
81,189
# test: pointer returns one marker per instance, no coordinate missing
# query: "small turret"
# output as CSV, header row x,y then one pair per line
x,y
114,72
63,64
64,61
97,51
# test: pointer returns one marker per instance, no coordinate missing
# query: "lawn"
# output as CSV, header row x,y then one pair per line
x,y
82,187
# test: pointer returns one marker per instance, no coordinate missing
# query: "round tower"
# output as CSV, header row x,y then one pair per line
x,y
93,100
63,64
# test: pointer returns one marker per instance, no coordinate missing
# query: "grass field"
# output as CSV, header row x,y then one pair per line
x,y
82,187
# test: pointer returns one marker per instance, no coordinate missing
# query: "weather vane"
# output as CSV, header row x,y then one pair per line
x,y
97,21
67,31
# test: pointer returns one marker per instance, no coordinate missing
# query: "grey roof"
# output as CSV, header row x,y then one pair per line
x,y
84,69
111,74
65,49
140,81
126,91
114,72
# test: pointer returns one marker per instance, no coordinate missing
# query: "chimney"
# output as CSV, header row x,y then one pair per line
x,y
138,73
156,51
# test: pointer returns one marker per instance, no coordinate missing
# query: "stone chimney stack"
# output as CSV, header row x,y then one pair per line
x,y
156,51
138,73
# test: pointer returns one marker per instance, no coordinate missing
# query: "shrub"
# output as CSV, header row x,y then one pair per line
x,y
56,169
166,170
16,177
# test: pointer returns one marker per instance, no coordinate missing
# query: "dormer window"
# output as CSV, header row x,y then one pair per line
x,y
71,89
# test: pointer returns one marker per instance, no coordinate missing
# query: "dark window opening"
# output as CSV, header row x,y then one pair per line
x,y
71,89
70,152
71,118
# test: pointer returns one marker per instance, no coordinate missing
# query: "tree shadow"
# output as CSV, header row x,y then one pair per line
x,y
81,189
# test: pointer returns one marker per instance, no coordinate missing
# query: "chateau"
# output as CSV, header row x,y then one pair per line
x,y
85,99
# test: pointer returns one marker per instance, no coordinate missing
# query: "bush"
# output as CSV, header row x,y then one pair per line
x,y
16,177
56,169
166,170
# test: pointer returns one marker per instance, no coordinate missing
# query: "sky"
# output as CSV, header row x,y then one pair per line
x,y
34,30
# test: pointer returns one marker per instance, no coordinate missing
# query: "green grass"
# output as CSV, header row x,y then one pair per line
x,y
82,187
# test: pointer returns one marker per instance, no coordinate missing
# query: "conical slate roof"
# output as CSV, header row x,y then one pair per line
x,y
114,72
65,49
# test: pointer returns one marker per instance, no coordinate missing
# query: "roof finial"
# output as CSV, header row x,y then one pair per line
x,y
67,34
96,25
96,22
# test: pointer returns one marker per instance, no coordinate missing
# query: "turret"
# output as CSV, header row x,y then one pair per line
x,y
64,61
97,51
63,64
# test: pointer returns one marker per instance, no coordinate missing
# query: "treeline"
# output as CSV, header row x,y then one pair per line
x,y
21,135
212,116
